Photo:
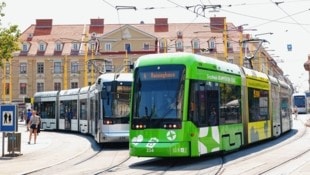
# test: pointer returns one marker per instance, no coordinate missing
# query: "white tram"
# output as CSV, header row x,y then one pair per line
x,y
101,110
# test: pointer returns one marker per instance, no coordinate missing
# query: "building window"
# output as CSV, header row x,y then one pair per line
x,y
89,67
7,68
23,88
75,46
229,45
127,47
146,46
211,43
7,88
57,67
25,47
163,45
58,46
23,68
92,46
74,85
42,46
196,44
40,68
74,67
108,47
40,87
57,86
179,45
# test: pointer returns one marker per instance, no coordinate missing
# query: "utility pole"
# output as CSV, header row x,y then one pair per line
x,y
85,59
225,40
65,76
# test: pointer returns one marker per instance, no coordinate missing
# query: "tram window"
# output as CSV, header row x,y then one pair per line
x,y
258,104
62,110
204,103
68,110
83,110
45,109
230,104
285,110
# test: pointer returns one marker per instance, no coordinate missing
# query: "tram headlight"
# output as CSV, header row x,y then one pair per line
x,y
107,122
139,126
172,126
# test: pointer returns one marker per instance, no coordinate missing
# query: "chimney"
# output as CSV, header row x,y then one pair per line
x,y
44,23
161,25
217,24
43,27
96,26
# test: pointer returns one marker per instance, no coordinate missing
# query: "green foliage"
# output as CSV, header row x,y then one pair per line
x,y
8,39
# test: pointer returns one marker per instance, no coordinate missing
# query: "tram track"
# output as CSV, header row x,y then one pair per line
x,y
90,162
213,164
262,158
262,162
83,155
288,161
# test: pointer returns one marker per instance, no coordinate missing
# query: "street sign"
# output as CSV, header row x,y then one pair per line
x,y
289,47
8,117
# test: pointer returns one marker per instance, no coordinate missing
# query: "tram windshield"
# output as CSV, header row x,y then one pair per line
x,y
116,96
158,91
300,101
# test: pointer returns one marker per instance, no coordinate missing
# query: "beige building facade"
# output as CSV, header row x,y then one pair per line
x,y
57,57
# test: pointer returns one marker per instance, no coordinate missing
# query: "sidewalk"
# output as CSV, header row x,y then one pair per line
x,y
25,148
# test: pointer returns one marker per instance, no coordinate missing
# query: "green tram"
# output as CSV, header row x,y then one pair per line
x,y
187,105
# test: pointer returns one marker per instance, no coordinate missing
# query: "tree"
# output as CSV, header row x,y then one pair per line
x,y
9,38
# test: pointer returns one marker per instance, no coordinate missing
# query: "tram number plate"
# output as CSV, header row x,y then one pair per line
x,y
122,138
149,150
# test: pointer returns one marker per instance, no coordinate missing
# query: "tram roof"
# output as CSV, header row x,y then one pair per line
x,y
188,59
109,77
250,73
299,94
284,84
69,91
273,80
84,90
46,94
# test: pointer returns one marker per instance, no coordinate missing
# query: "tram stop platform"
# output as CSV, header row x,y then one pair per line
x,y
16,143
51,148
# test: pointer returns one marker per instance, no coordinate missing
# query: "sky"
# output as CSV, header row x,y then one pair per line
x,y
287,20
